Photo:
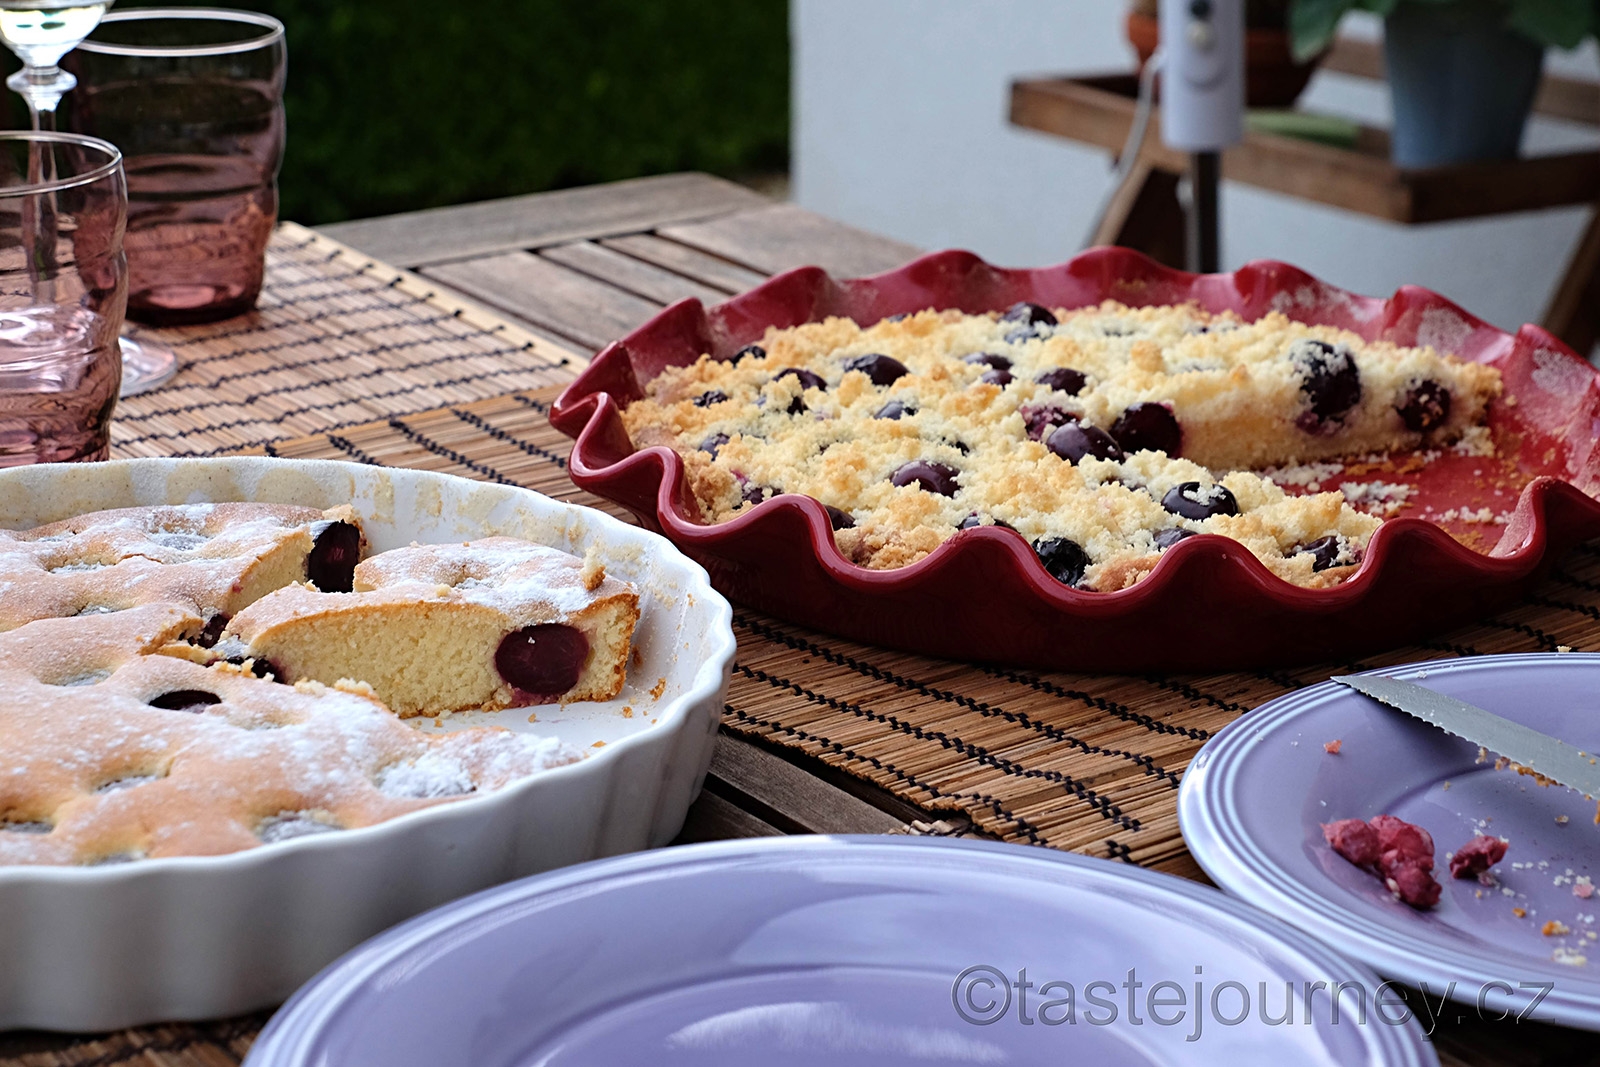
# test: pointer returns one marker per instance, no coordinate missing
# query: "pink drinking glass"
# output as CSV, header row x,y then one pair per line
x,y
63,289
194,98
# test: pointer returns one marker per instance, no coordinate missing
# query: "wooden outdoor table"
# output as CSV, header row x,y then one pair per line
x,y
580,267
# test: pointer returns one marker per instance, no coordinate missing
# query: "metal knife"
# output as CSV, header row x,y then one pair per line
x,y
1528,749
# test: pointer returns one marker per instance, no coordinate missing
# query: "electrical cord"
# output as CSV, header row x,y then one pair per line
x,y
1135,143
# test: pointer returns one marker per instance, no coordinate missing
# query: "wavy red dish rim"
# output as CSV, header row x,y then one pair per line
x,y
585,408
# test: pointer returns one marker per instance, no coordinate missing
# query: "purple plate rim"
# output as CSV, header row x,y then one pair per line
x,y
1207,805
291,1035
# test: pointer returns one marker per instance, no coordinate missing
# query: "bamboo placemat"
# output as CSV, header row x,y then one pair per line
x,y
1089,763
338,338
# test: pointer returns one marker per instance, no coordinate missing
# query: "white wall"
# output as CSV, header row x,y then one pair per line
x,y
900,127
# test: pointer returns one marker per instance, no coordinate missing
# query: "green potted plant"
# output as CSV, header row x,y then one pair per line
x,y
1462,73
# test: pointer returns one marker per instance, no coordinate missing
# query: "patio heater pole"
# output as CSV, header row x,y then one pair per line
x,y
1203,246
1202,106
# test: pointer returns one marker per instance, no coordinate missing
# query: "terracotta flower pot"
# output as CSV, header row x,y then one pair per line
x,y
1272,77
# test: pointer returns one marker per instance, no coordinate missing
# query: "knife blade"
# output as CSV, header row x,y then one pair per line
x,y
1526,748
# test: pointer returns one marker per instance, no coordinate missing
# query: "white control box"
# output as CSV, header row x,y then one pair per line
x,y
1202,82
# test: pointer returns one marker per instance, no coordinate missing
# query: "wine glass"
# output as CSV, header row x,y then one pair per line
x,y
40,32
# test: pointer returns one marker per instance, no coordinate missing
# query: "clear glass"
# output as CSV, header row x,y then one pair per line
x,y
40,32
194,98
61,302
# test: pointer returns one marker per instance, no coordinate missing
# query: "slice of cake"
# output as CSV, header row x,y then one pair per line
x,y
109,754
213,559
435,628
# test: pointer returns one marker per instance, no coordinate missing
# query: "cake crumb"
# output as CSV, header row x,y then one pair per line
x,y
534,717
593,572
1332,747
659,688
1569,957
1563,648
1555,928
1561,820
598,744
1520,912
627,712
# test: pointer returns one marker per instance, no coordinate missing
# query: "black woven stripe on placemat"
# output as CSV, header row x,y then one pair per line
x,y
266,420
1568,578
424,441
529,402
877,763
978,753
1464,651
1549,643
1588,611
349,449
313,342
526,447
983,708
380,372
1110,707
256,325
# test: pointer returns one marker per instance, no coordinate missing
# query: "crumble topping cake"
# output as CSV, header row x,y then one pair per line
x,y
129,730
1103,436
439,627
113,754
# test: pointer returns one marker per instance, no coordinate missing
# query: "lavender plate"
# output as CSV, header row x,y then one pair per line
x,y
1254,797
849,951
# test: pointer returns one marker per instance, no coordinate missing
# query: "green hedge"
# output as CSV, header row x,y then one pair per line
x,y
402,104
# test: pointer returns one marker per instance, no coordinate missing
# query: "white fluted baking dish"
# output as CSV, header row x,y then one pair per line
x,y
96,948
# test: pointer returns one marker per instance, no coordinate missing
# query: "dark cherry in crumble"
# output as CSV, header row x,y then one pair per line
x,y
932,477
1148,427
1063,380
1329,381
1075,440
894,409
1192,501
1063,558
1425,405
879,369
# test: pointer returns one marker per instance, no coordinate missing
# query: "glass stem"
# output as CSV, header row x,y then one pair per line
x,y
42,88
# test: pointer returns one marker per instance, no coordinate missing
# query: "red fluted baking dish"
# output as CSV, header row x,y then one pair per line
x,y
1208,604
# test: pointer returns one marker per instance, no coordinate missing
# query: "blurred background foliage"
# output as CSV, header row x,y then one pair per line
x,y
401,104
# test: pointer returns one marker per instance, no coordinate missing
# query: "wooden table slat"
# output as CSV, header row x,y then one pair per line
x,y
573,305
798,802
644,280
421,238
781,236
710,270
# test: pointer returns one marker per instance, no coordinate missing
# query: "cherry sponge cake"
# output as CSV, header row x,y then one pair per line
x,y
213,559
434,628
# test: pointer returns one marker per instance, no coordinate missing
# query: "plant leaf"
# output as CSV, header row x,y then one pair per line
x,y
1562,23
